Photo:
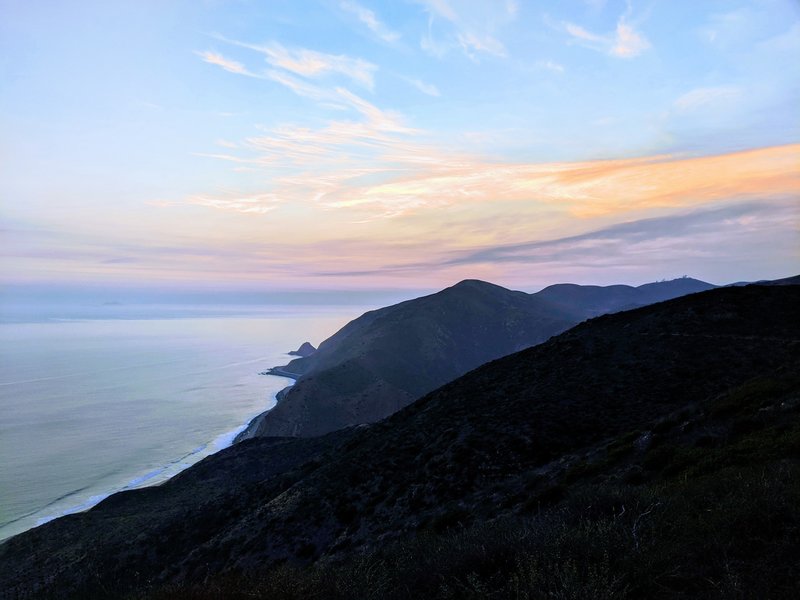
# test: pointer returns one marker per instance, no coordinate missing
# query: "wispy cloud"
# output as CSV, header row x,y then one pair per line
x,y
473,23
628,42
300,87
623,237
305,62
232,201
670,241
593,189
311,64
214,58
368,18
739,25
549,65
425,88
624,42
472,42
401,175
706,97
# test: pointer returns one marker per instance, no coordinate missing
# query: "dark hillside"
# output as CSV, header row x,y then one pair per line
x,y
702,505
641,398
387,358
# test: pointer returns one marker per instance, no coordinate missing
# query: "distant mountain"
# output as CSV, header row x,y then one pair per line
x,y
649,453
585,301
794,280
385,359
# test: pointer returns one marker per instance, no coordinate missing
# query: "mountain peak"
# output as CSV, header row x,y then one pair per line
x,y
476,284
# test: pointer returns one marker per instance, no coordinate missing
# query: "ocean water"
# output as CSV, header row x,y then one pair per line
x,y
90,406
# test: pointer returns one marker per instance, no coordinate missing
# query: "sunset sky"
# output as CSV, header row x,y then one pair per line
x,y
347,145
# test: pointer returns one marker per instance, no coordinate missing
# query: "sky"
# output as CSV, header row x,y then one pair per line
x,y
237,145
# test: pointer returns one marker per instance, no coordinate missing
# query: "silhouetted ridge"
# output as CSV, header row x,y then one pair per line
x,y
630,399
592,300
383,360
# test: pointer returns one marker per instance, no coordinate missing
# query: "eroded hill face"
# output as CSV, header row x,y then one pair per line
x,y
385,359
505,438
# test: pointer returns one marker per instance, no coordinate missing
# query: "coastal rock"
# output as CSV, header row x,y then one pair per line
x,y
305,349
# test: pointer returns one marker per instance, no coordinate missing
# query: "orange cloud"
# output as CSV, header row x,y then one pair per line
x,y
413,212
597,188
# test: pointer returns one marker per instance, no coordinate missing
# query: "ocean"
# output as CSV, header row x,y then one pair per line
x,y
90,406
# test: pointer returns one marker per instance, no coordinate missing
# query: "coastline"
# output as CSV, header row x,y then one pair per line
x,y
250,429
280,372
161,474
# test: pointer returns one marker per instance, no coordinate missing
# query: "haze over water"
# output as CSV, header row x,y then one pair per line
x,y
93,406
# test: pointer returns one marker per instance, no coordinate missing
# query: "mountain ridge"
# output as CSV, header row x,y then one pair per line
x,y
501,438
383,360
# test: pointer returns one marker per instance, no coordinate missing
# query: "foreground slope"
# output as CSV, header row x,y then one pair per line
x,y
508,437
385,359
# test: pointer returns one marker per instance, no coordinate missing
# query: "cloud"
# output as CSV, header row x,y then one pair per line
x,y
472,26
311,64
671,241
549,65
624,42
624,237
232,201
300,87
742,25
705,97
401,175
472,42
628,42
339,98
425,88
368,18
788,41
231,66
593,189
580,33
307,63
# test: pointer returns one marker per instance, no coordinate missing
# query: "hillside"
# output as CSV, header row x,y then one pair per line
x,y
627,414
385,359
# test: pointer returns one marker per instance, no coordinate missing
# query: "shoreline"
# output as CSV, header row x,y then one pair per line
x,y
281,372
252,426
219,443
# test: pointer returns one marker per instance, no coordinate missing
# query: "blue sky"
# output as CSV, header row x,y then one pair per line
x,y
340,144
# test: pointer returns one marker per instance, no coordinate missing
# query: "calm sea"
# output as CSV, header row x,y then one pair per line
x,y
91,406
